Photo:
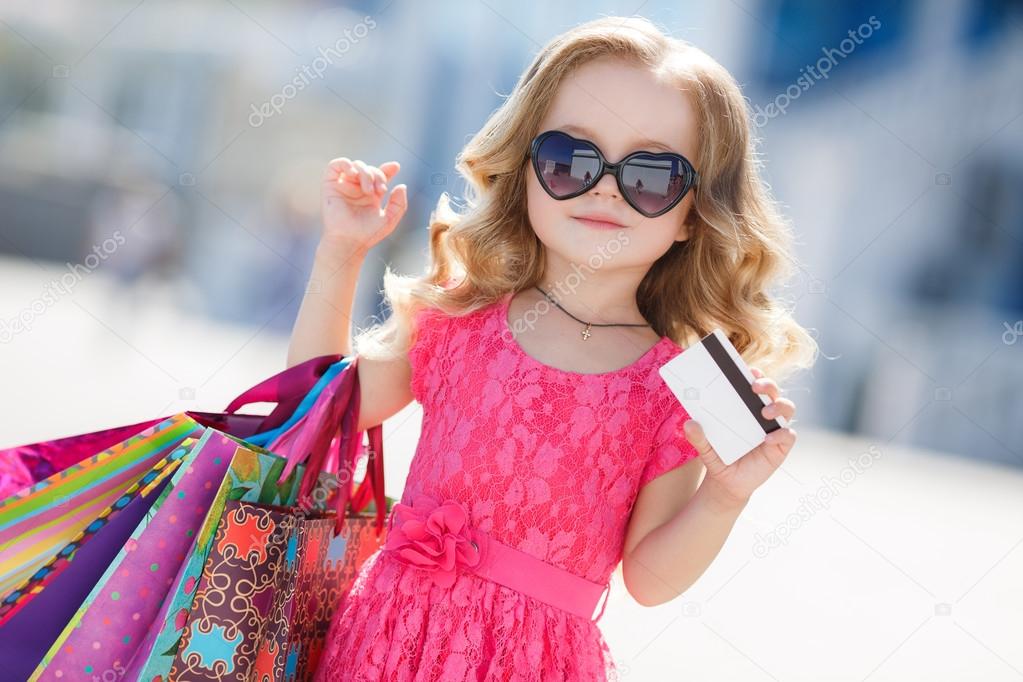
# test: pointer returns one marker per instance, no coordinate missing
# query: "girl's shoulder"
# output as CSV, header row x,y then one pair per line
x,y
428,351
431,321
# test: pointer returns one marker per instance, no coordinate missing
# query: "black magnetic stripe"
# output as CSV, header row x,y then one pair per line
x,y
734,375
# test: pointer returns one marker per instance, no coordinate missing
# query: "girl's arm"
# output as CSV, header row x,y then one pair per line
x,y
675,532
353,222
678,525
323,325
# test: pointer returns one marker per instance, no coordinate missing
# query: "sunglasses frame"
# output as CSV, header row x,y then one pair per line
x,y
693,177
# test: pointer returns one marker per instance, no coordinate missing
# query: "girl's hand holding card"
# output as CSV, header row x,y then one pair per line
x,y
736,481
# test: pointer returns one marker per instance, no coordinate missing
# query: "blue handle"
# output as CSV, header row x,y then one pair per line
x,y
267,437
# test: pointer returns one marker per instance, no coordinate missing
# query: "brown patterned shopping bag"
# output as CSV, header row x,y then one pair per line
x,y
272,580
238,626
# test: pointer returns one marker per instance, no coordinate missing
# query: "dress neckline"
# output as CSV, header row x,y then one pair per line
x,y
506,333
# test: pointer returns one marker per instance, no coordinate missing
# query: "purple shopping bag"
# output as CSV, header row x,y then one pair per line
x,y
30,632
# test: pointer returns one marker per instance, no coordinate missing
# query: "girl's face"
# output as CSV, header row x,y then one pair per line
x,y
621,108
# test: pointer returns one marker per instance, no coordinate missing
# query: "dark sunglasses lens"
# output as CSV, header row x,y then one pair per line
x,y
652,182
566,166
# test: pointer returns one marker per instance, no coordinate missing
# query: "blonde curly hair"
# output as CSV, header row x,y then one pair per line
x,y
738,245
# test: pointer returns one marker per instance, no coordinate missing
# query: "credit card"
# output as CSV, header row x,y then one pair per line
x,y
714,385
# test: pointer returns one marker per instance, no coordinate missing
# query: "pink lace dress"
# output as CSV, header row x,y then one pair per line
x,y
545,460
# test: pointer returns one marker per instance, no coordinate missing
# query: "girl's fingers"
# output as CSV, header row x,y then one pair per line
x,y
698,439
756,372
384,173
370,179
782,438
397,204
355,179
389,169
348,188
362,175
336,169
782,407
765,385
777,407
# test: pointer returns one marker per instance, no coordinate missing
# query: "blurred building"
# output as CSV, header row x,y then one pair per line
x,y
900,169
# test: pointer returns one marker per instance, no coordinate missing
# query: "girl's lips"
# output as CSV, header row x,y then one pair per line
x,y
599,224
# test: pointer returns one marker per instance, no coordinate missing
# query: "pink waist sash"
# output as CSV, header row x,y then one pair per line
x,y
437,538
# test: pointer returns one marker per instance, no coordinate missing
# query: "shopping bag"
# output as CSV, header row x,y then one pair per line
x,y
252,477
268,591
291,390
14,475
120,611
238,624
262,610
40,523
33,626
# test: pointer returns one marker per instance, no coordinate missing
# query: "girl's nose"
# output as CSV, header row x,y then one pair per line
x,y
606,186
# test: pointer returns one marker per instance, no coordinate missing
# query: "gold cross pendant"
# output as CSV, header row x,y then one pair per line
x,y
586,332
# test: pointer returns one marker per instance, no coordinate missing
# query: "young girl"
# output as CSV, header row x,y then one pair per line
x,y
551,449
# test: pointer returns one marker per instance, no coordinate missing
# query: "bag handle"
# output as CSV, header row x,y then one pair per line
x,y
286,388
341,424
373,483
325,439
310,399
349,452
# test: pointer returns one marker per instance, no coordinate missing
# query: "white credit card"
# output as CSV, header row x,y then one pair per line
x,y
714,385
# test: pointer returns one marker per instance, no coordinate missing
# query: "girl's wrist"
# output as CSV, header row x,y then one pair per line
x,y
337,251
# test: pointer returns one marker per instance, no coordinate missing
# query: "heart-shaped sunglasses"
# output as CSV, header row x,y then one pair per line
x,y
652,183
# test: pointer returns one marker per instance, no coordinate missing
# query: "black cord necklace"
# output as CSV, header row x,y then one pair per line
x,y
586,332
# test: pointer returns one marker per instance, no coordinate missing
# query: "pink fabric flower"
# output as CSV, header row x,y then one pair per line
x,y
437,540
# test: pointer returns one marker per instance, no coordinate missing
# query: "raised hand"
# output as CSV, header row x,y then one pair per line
x,y
352,192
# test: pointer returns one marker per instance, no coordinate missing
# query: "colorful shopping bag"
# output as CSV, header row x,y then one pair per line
x,y
249,638
112,624
291,390
34,625
252,477
329,569
267,594
43,521
241,633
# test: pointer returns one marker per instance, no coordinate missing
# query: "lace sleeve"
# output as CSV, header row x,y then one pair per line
x,y
423,355
671,447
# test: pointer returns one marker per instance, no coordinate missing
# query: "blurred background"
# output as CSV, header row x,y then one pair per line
x,y
159,170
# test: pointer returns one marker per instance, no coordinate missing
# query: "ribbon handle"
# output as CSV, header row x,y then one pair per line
x,y
286,388
326,440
